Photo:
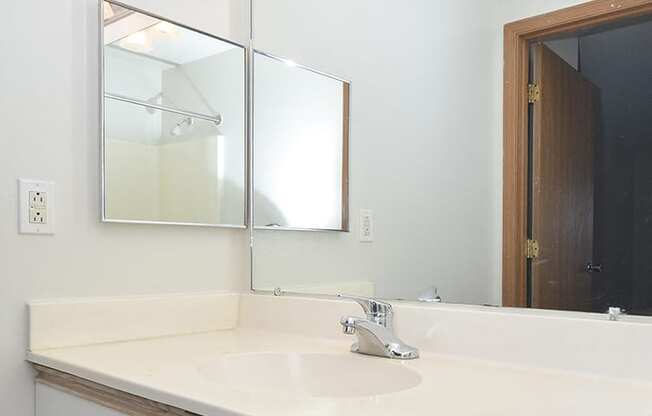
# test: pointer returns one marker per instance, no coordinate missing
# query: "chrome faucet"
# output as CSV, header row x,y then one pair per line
x,y
376,332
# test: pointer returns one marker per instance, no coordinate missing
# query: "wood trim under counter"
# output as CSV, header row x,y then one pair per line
x,y
108,397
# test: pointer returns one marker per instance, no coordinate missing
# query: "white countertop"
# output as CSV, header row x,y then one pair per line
x,y
167,370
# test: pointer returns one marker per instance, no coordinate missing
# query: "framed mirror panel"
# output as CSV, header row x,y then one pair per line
x,y
174,122
301,147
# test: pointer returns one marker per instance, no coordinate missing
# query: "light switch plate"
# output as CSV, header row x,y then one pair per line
x,y
36,205
366,225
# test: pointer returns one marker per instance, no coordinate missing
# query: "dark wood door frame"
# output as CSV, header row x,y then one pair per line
x,y
518,35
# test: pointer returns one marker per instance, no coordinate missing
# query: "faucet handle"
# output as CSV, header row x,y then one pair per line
x,y
371,306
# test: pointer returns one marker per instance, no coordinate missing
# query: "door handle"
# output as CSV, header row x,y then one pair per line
x,y
593,268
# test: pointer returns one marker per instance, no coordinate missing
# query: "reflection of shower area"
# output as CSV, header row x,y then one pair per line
x,y
174,123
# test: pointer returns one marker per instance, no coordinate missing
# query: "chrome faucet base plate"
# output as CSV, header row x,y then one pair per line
x,y
411,354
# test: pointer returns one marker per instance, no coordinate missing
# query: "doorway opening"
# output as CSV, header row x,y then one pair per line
x,y
577,200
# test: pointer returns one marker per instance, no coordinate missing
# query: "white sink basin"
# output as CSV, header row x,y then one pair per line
x,y
311,375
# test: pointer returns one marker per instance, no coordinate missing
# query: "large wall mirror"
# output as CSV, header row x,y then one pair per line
x,y
443,206
301,145
174,136
424,201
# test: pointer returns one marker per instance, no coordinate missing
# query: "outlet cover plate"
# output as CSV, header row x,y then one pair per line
x,y
27,189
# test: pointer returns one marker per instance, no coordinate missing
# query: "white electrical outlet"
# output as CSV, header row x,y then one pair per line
x,y
38,199
366,225
35,207
38,216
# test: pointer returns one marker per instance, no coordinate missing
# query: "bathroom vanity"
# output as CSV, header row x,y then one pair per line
x,y
233,354
186,142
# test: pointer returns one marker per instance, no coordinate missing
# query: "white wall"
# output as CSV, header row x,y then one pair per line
x,y
423,144
49,107
426,142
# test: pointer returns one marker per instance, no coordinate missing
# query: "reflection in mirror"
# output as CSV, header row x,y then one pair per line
x,y
300,147
554,211
423,162
174,123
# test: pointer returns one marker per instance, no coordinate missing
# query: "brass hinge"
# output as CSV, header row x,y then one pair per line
x,y
532,249
533,93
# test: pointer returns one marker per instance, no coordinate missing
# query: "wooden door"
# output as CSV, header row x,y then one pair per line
x,y
564,126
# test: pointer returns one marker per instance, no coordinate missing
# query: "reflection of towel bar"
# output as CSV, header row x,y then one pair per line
x,y
214,119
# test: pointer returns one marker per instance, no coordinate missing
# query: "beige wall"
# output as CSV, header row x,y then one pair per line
x,y
174,181
132,180
189,183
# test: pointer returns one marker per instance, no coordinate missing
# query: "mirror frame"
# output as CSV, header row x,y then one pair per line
x,y
246,124
346,134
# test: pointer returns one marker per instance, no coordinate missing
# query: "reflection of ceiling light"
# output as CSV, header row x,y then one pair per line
x,y
138,41
166,28
290,63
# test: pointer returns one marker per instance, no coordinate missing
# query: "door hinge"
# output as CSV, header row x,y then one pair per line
x,y
532,249
533,93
